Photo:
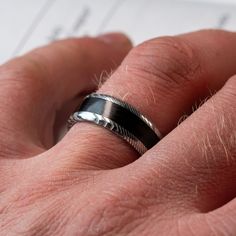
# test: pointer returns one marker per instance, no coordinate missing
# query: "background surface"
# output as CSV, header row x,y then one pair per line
x,y
26,24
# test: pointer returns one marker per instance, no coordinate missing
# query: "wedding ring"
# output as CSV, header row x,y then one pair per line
x,y
119,117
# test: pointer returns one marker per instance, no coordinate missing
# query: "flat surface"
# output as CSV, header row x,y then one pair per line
x,y
27,24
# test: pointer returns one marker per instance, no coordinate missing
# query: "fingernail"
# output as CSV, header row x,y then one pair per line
x,y
118,39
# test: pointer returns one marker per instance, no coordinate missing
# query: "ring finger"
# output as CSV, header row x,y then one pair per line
x,y
162,78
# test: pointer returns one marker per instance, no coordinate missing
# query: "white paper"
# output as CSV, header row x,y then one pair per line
x,y
27,24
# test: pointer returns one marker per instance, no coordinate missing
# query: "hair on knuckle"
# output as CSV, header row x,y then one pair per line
x,y
230,89
222,141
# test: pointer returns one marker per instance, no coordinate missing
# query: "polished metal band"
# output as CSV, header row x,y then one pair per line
x,y
119,117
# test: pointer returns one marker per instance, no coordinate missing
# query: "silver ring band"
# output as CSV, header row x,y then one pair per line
x,y
119,117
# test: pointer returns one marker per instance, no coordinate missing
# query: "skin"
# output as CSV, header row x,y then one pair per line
x,y
92,182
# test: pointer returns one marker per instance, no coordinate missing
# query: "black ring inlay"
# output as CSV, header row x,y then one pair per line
x,y
122,117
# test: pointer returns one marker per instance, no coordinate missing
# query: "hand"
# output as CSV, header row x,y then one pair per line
x,y
91,182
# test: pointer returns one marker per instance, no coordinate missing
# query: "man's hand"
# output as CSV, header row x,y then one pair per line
x,y
91,182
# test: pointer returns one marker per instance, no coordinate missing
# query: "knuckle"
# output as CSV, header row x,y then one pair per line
x,y
222,108
172,60
226,100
